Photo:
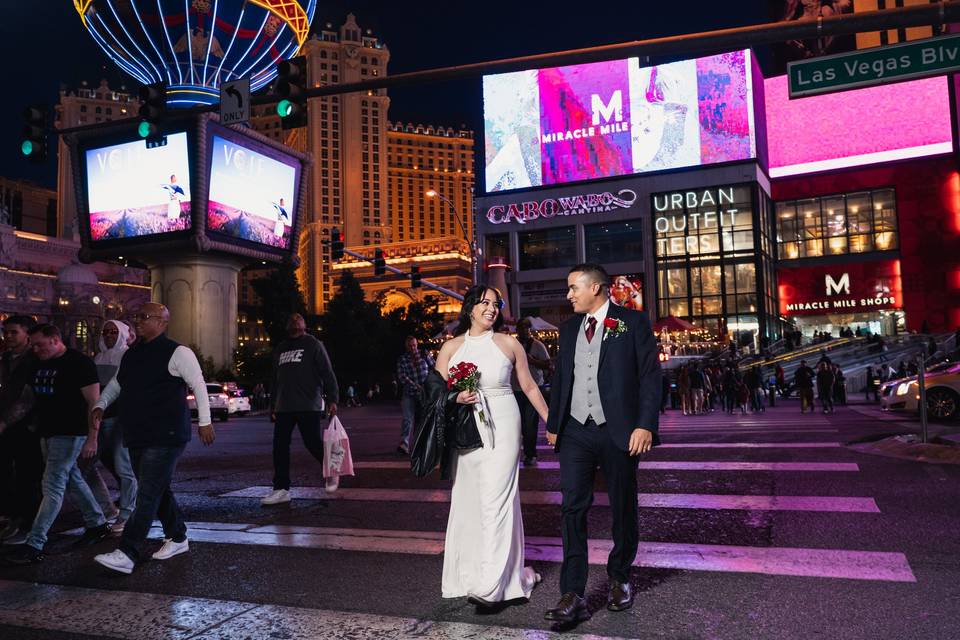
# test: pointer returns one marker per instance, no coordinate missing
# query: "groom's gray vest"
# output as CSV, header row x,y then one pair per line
x,y
585,398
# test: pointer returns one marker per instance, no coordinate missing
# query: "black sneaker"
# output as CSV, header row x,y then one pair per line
x,y
530,461
23,554
92,536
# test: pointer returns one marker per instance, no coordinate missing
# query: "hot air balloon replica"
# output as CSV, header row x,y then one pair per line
x,y
194,45
198,200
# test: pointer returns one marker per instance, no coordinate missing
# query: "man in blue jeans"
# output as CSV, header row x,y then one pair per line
x,y
413,368
151,386
63,389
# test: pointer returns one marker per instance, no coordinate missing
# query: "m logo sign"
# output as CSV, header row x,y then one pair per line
x,y
612,109
836,287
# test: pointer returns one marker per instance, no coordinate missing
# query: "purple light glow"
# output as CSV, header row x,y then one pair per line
x,y
892,122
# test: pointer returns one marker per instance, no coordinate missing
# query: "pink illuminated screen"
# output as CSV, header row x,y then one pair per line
x,y
581,122
891,122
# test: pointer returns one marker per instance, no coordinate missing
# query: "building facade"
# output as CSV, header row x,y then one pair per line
x,y
370,177
844,216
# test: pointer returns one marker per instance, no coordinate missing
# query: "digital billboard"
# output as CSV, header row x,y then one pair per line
x,y
603,119
133,191
893,122
252,193
627,291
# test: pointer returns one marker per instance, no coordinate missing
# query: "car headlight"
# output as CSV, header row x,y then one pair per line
x,y
903,388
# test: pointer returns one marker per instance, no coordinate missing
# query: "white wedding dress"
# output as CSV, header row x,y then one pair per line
x,y
483,553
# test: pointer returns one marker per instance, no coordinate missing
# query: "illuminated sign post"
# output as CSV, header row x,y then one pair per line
x,y
870,67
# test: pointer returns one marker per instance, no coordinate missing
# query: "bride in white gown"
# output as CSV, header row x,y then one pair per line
x,y
483,554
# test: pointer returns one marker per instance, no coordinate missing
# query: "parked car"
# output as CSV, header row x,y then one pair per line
x,y
219,402
943,393
238,401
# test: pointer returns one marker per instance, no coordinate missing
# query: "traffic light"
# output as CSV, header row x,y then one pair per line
x,y
291,87
34,145
153,108
379,263
416,280
336,245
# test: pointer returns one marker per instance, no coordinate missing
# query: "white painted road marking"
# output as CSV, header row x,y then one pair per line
x,y
665,466
650,500
785,561
734,445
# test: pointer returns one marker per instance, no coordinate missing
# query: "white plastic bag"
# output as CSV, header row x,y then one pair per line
x,y
337,460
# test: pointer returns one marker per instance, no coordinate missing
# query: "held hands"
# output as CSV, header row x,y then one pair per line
x,y
207,436
467,397
551,438
89,449
96,415
641,441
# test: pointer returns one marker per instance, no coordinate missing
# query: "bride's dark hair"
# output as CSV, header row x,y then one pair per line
x,y
472,298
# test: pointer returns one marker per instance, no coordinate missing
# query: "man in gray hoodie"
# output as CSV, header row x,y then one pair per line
x,y
302,375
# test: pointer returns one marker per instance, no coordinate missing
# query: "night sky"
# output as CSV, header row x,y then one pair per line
x,y
46,46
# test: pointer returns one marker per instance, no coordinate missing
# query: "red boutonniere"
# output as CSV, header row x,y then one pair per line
x,y
614,327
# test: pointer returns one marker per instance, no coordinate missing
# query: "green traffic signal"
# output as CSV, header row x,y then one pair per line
x,y
27,147
284,108
146,129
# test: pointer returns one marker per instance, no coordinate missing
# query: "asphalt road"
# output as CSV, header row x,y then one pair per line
x,y
756,526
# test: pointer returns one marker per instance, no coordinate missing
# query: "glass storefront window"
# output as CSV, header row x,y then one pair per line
x,y
614,242
548,248
704,222
857,222
498,246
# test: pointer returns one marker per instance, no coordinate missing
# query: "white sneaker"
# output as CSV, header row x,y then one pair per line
x,y
171,548
278,496
331,484
116,560
116,529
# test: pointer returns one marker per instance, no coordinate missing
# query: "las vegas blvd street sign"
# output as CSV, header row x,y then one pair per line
x,y
871,67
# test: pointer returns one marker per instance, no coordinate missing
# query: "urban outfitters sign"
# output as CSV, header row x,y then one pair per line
x,y
695,221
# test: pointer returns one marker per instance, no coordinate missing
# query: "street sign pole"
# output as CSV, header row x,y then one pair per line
x,y
922,402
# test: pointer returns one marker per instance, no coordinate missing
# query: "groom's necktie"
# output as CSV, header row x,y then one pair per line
x,y
591,328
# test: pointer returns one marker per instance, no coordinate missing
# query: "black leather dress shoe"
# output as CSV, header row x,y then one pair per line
x,y
621,596
571,608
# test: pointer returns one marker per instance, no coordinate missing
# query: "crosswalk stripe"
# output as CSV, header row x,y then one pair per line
x,y
150,616
734,445
669,465
648,500
787,561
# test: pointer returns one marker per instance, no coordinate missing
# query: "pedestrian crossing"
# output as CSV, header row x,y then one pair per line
x,y
667,465
782,561
778,443
646,500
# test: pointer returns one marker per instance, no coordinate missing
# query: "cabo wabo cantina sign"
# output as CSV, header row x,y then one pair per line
x,y
573,205
845,288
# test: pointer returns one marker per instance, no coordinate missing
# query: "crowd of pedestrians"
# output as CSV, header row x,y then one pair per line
x,y
61,412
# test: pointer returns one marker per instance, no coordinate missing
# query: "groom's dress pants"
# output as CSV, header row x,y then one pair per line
x,y
584,447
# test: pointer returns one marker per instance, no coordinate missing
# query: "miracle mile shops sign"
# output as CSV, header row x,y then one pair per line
x,y
870,67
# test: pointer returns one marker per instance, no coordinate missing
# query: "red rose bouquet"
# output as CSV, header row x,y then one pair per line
x,y
466,377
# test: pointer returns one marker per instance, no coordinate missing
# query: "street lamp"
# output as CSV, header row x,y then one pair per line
x,y
433,193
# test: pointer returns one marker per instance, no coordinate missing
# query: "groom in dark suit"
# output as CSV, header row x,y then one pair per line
x,y
604,411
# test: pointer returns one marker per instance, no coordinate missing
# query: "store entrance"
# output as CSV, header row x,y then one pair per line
x,y
884,323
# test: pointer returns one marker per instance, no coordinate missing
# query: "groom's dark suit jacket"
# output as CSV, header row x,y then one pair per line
x,y
629,377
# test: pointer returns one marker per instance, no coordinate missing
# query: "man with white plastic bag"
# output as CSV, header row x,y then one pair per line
x,y
337,460
302,374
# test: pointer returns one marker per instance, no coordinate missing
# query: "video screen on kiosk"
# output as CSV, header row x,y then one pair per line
x,y
133,191
603,119
252,194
